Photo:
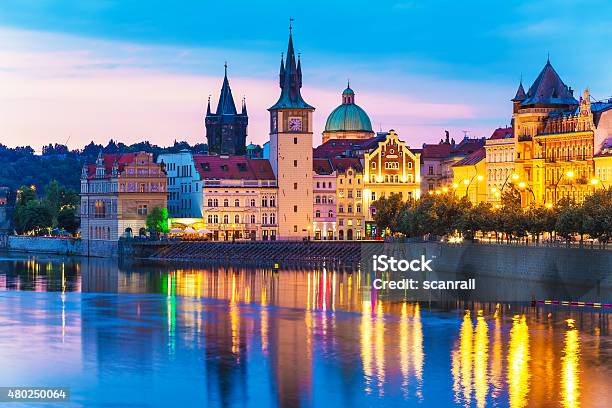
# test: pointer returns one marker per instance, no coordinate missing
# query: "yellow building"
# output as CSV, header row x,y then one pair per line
x,y
499,163
469,177
350,210
556,137
391,168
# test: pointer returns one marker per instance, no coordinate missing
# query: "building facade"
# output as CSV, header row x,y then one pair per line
x,y
499,162
556,139
226,129
324,192
391,168
291,151
184,185
239,198
117,194
469,177
350,209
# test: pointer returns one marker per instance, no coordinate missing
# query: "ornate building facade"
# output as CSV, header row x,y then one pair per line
x,y
324,191
291,151
226,129
391,168
117,194
499,162
556,139
348,121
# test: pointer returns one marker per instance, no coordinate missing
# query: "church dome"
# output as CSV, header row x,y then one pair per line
x,y
348,117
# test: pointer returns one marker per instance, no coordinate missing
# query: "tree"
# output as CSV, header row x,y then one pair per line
x,y
157,220
67,219
572,220
35,217
58,197
388,212
598,210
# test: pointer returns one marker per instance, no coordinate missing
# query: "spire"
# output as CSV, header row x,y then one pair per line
x,y
226,105
281,74
290,79
549,89
244,109
208,108
520,92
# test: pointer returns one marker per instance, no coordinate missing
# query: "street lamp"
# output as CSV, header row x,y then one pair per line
x,y
523,186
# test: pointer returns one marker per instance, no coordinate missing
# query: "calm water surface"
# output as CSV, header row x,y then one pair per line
x,y
170,336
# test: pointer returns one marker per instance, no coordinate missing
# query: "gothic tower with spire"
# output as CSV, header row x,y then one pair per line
x,y
226,129
291,150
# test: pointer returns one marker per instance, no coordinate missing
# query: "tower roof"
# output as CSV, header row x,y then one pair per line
x,y
549,89
291,82
226,105
348,117
520,93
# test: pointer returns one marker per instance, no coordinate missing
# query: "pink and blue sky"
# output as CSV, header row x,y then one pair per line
x,y
87,70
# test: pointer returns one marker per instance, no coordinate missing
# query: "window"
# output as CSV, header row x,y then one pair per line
x,y
272,219
318,214
295,228
215,202
295,140
252,202
236,203
210,202
226,202
252,218
226,219
373,196
264,218
409,165
318,200
210,218
350,194
317,184
430,170
373,165
272,202
295,186
330,214
264,202
358,208
349,209
295,209
358,193
341,209
142,209
236,219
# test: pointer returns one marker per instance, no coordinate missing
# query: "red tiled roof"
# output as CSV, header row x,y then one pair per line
x,y
233,168
436,151
336,147
472,158
343,163
322,166
109,160
502,133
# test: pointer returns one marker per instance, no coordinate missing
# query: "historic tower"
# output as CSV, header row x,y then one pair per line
x,y
226,129
291,151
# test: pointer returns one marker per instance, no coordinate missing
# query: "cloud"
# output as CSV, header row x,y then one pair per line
x,y
57,87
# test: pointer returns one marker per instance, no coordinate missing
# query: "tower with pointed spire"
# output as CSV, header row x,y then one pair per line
x,y
291,150
226,129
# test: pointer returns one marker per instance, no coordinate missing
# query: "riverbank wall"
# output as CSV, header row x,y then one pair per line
x,y
62,246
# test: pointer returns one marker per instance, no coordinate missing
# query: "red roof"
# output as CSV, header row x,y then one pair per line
x,y
322,166
436,151
472,158
502,133
336,147
233,168
109,160
343,163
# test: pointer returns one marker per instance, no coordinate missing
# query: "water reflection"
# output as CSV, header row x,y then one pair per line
x,y
302,337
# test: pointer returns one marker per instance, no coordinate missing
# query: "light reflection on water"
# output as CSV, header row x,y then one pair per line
x,y
187,336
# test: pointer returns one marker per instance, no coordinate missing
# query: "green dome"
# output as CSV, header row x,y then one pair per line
x,y
348,117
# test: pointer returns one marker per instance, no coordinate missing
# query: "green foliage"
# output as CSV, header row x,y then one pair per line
x,y
597,208
157,220
67,219
572,220
388,211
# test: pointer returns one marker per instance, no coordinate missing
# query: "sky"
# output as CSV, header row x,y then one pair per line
x,y
76,71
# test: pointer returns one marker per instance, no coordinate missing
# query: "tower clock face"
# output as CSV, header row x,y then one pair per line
x,y
295,124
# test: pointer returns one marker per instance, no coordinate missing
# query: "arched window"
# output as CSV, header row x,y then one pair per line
x,y
236,203
330,214
226,219
318,199
252,202
318,214
210,218
236,219
226,202
264,201
272,201
264,219
215,202
252,218
272,219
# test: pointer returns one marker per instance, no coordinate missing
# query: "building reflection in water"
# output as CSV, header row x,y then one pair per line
x,y
260,326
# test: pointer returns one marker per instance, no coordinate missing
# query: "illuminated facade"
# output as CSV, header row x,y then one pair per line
x,y
239,198
117,194
499,162
324,192
469,179
556,138
391,168
350,198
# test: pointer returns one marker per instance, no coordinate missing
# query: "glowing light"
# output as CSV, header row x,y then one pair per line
x,y
522,184
481,357
515,176
570,380
549,205
466,181
494,190
570,174
430,192
365,331
594,181
445,189
518,363
479,177
455,186
497,194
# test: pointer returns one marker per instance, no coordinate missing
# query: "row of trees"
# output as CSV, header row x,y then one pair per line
x,y
447,215
57,210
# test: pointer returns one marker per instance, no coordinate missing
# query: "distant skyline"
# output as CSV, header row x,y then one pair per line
x,y
88,70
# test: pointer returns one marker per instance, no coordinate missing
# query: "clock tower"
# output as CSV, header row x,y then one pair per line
x,y
291,151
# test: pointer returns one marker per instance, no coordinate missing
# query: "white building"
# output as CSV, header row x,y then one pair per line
x,y
184,185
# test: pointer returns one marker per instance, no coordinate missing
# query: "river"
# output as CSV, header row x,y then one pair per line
x,y
172,335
